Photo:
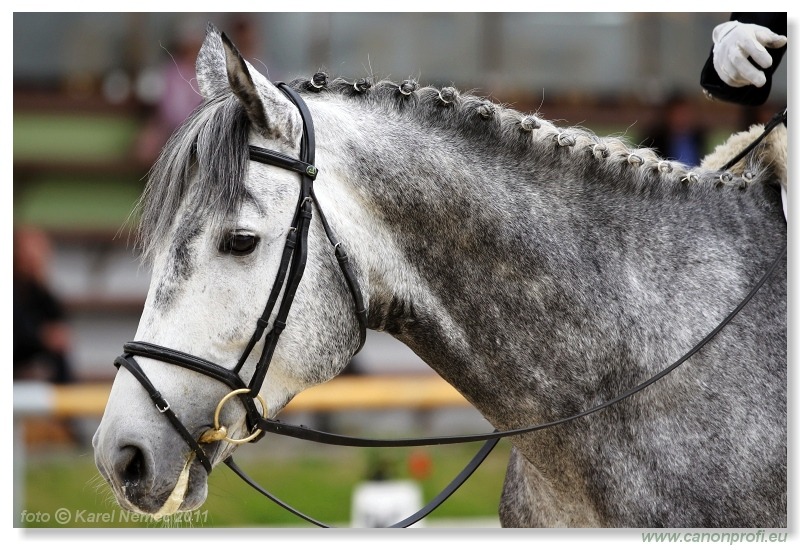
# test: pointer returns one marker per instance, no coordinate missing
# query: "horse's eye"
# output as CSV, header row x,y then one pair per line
x,y
238,244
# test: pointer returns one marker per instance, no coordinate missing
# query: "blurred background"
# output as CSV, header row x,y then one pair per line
x,y
96,95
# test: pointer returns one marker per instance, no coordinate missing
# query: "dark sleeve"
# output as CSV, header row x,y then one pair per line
x,y
747,95
26,336
49,308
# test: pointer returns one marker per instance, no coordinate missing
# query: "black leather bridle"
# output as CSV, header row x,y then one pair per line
x,y
290,272
289,275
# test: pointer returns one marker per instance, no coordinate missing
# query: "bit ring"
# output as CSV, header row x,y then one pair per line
x,y
211,435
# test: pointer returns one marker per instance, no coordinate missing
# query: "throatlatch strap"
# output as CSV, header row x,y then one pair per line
x,y
347,271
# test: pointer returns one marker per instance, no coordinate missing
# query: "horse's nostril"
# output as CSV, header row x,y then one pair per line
x,y
132,466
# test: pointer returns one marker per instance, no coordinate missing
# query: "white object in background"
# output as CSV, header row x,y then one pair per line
x,y
383,503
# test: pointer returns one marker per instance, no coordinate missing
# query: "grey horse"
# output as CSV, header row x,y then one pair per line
x,y
540,270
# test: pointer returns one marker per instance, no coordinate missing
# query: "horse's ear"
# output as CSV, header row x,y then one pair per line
x,y
221,69
242,82
212,77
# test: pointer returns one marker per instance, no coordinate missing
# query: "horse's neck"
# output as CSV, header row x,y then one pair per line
x,y
505,279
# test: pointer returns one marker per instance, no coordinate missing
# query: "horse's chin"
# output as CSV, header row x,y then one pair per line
x,y
188,493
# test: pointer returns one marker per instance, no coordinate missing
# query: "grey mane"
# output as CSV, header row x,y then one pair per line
x,y
212,144
505,133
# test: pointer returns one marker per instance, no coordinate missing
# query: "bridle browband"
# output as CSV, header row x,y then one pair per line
x,y
289,274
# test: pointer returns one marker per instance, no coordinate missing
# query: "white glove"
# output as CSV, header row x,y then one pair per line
x,y
733,43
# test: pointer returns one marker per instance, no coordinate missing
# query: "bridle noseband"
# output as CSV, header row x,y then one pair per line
x,y
290,272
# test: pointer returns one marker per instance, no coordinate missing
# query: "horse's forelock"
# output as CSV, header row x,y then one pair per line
x,y
205,162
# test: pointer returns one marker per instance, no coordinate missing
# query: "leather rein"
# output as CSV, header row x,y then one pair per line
x,y
290,272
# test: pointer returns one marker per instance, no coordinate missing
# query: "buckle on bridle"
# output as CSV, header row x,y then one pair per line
x,y
220,433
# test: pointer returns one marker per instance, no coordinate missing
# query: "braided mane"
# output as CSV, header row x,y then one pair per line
x,y
206,158
518,135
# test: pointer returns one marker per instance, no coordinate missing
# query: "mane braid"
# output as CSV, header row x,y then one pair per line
x,y
205,162
519,137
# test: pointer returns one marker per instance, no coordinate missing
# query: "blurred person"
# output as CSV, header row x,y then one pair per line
x,y
678,137
760,114
179,95
41,334
747,50
244,33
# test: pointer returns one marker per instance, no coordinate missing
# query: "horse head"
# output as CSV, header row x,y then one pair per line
x,y
216,229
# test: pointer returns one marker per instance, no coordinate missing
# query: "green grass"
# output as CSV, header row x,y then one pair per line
x,y
319,485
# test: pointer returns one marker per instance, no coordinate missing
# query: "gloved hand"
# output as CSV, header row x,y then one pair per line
x,y
733,43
